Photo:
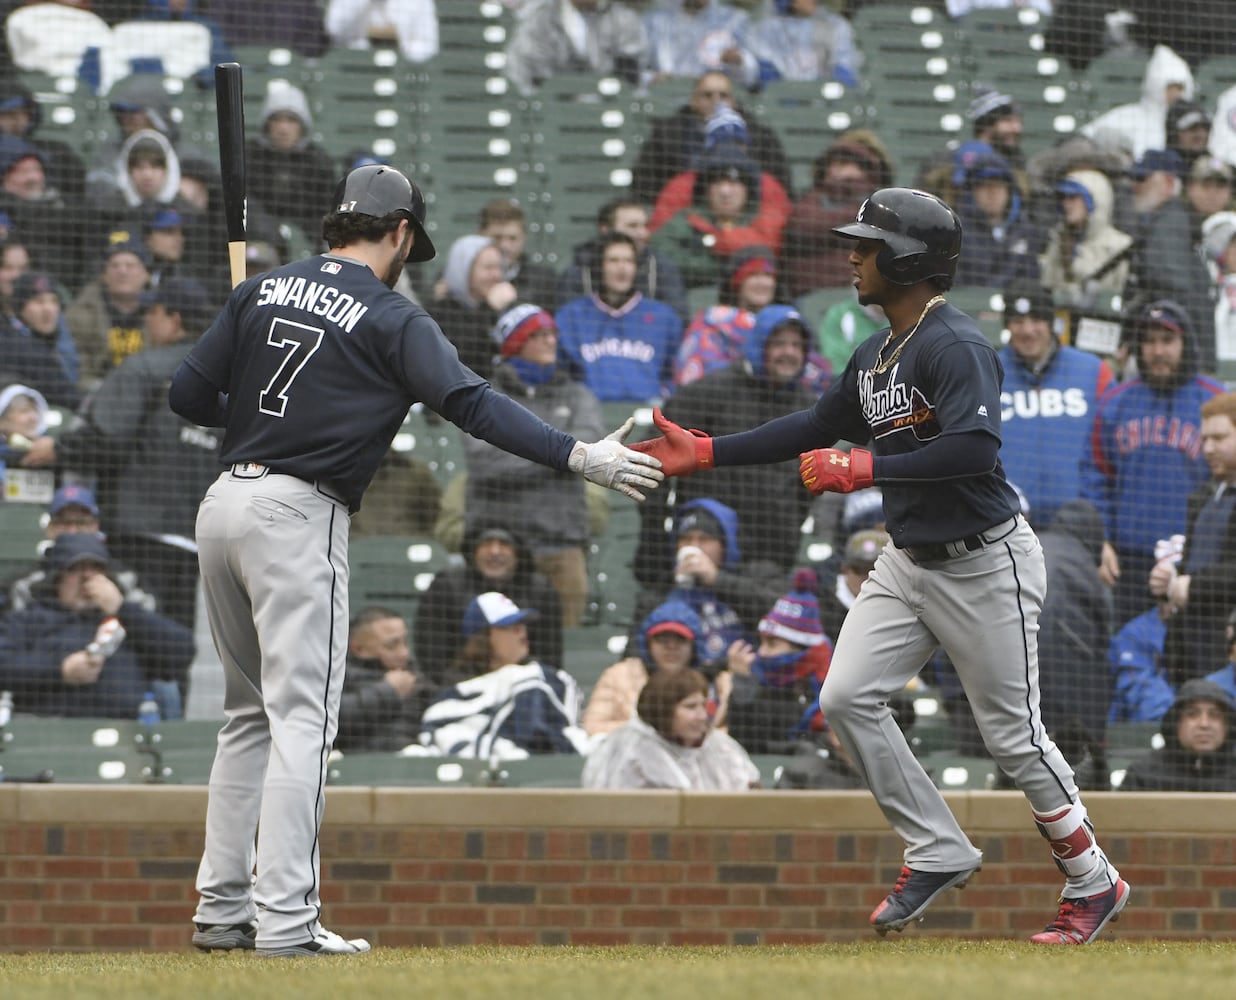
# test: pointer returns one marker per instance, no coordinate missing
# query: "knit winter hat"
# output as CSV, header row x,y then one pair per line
x,y
517,324
796,616
28,285
754,259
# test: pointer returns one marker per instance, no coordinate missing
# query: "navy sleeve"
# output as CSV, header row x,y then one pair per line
x,y
498,419
955,456
195,399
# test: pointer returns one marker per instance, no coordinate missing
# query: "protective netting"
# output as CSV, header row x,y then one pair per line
x,y
662,179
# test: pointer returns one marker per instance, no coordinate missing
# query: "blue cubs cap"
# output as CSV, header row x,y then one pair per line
x,y
164,218
73,496
1157,160
493,610
184,296
77,547
1068,186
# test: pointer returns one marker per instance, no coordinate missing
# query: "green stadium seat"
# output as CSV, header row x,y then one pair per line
x,y
392,571
589,649
953,772
985,306
21,531
80,751
1114,78
394,769
808,116
815,304
1212,77
180,751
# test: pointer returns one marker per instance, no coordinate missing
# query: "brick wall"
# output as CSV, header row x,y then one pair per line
x,y
90,867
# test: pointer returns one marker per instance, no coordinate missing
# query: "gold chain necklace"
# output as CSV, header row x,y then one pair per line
x,y
882,366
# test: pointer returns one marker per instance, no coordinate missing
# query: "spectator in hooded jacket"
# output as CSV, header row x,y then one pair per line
x,y
1219,248
1141,691
723,204
552,37
549,507
137,103
1187,130
670,743
1141,126
45,655
804,40
495,559
1085,253
656,276
618,343
1164,264
1145,455
1197,753
677,140
1048,398
475,293
705,568
813,255
1002,243
766,382
288,174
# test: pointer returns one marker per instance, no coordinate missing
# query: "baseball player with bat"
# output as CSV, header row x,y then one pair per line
x,y
965,571
311,369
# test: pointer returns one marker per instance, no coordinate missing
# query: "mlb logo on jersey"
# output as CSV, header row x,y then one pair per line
x,y
332,267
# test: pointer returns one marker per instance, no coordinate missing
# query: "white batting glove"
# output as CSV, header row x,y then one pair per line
x,y
610,464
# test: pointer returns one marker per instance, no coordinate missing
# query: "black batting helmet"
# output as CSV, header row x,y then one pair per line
x,y
379,190
921,234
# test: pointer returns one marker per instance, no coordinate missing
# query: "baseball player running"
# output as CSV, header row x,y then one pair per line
x,y
966,571
311,369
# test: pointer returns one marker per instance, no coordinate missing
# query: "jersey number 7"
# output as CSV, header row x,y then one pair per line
x,y
299,343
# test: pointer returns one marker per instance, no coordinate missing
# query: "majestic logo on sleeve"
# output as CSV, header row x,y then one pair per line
x,y
896,407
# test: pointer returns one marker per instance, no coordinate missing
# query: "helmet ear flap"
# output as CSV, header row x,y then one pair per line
x,y
899,272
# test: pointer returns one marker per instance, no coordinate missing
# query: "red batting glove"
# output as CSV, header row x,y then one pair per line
x,y
830,470
680,451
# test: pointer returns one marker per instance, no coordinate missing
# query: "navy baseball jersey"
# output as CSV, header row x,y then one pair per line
x,y
321,361
945,381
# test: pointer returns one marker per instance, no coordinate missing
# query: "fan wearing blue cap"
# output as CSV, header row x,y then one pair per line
x,y
1002,242
1085,252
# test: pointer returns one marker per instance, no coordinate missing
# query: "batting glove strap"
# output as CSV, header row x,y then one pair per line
x,y
830,470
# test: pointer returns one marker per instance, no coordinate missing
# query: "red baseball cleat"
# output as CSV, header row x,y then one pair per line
x,y
911,896
1080,919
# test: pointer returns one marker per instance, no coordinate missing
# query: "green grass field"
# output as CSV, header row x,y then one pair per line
x,y
902,969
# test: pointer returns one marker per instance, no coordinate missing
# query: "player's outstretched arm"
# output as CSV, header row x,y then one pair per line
x,y
610,463
680,451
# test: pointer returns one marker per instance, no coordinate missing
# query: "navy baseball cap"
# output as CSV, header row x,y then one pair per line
x,y
1168,314
1155,161
493,610
164,218
79,547
184,296
73,496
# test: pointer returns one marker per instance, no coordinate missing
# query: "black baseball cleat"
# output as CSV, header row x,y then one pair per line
x,y
913,893
225,937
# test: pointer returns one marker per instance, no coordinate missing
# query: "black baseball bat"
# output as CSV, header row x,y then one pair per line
x,y
230,108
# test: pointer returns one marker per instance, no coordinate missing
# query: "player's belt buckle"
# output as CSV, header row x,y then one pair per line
x,y
249,470
943,551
